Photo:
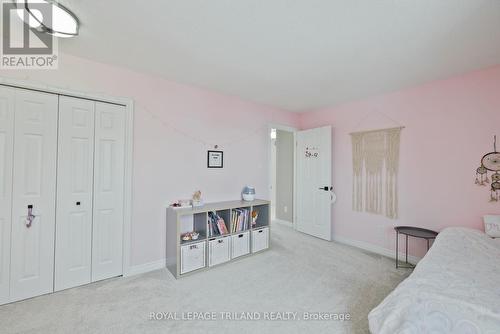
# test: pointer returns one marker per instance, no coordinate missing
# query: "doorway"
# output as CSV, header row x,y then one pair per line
x,y
302,194
282,163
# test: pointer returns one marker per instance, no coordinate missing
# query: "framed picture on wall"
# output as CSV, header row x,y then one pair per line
x,y
215,159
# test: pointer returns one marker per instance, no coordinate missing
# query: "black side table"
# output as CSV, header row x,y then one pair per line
x,y
416,232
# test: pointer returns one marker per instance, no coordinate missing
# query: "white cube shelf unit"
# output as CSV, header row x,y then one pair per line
x,y
211,249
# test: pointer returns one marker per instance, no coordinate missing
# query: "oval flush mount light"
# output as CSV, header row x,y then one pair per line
x,y
58,20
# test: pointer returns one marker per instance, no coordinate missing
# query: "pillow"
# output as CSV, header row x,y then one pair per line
x,y
492,225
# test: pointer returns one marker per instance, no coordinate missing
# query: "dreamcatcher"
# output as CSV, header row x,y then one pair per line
x,y
490,163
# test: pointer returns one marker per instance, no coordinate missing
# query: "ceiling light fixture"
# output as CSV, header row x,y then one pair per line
x,y
57,21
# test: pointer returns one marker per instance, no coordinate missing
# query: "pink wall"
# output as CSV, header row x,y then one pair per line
x,y
449,126
167,164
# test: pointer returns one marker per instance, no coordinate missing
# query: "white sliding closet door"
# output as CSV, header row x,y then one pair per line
x,y
74,192
35,148
7,97
109,162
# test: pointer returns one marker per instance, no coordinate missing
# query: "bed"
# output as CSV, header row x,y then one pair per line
x,y
455,288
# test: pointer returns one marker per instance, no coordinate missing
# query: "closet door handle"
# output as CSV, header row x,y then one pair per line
x,y
30,217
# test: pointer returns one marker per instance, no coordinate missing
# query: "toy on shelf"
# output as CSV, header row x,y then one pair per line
x,y
255,215
190,236
197,200
182,203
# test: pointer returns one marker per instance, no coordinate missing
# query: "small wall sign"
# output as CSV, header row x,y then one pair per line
x,y
311,152
215,159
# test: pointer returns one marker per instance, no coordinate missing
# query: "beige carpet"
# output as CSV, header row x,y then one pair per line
x,y
299,274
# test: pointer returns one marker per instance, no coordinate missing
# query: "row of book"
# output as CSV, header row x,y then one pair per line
x,y
240,220
216,225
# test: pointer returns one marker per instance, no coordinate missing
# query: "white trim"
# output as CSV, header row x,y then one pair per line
x,y
146,267
62,91
272,180
269,153
128,194
281,127
294,213
129,143
375,249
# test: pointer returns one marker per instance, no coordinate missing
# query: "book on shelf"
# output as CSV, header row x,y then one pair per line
x,y
216,225
222,226
239,220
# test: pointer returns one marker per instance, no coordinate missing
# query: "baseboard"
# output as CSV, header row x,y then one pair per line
x,y
159,264
146,267
375,249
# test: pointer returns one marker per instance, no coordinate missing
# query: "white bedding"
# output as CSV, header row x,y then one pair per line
x,y
455,288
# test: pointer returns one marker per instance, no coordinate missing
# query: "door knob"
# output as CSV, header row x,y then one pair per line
x,y
30,217
325,188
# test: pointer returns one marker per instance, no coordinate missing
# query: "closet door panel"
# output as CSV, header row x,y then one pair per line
x,y
74,192
7,96
109,160
35,148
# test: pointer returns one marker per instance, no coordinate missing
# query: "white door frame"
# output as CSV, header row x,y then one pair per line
x,y
128,103
270,166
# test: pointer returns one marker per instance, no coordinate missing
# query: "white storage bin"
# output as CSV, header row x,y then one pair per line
x,y
219,250
240,244
192,257
260,239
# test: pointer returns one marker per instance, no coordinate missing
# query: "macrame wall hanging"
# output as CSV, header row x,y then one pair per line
x,y
375,159
490,162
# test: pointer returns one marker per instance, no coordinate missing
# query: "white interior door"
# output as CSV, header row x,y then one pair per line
x,y
35,149
7,97
109,165
314,181
74,192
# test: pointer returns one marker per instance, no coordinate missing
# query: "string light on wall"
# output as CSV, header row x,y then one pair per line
x,y
195,137
490,162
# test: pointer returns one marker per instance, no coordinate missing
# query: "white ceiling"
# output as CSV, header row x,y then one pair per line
x,y
293,54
